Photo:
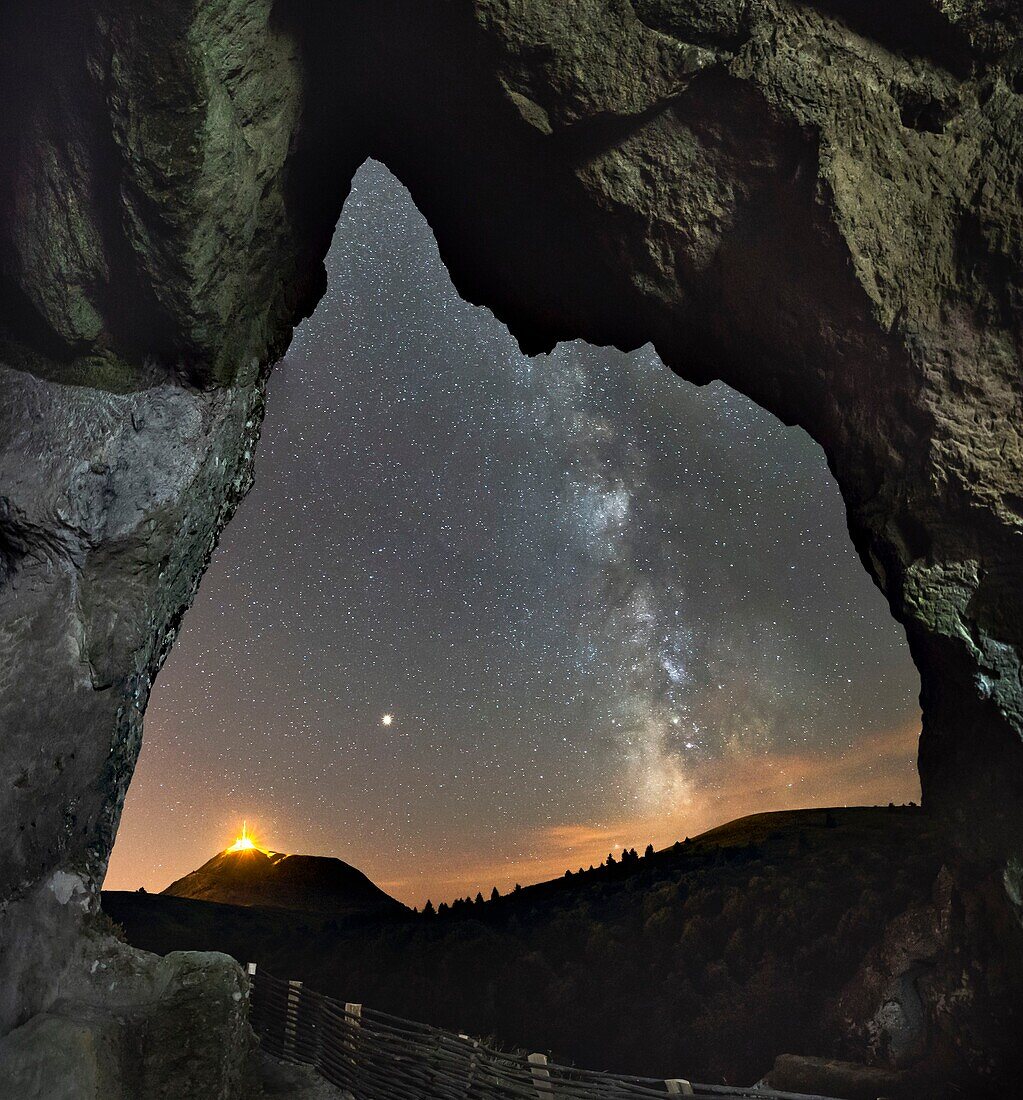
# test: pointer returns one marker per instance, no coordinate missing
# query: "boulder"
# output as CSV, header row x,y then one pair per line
x,y
830,1077
131,1025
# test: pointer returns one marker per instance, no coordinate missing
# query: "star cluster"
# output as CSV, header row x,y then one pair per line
x,y
484,617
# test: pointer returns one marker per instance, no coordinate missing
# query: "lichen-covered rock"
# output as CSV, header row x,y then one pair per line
x,y
59,1058
111,505
928,996
132,1025
144,204
817,201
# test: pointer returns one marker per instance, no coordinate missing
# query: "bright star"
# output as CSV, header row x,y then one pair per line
x,y
387,719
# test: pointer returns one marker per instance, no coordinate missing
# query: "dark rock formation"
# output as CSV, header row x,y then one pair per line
x,y
827,1077
818,201
315,884
133,1025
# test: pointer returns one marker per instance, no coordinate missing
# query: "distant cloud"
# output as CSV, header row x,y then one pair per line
x,y
719,792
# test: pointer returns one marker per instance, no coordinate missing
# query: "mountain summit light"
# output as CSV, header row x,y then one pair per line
x,y
245,843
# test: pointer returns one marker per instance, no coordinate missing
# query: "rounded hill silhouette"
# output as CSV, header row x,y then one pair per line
x,y
316,884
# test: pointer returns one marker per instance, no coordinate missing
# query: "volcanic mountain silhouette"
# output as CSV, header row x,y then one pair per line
x,y
316,884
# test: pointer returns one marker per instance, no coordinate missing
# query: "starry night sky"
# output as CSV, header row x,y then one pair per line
x,y
604,607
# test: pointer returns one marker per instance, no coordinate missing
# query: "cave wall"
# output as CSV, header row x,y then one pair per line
x,y
817,201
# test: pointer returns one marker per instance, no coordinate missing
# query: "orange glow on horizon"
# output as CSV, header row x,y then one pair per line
x,y
875,768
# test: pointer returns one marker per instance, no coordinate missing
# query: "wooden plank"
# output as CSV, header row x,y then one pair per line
x,y
677,1086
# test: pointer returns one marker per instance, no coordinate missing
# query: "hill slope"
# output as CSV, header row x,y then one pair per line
x,y
650,966
313,884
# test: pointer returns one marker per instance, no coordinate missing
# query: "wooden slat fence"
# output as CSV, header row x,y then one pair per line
x,y
371,1055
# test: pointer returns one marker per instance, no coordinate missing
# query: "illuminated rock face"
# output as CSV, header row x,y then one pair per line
x,y
817,201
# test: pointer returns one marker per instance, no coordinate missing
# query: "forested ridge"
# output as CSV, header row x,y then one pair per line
x,y
652,963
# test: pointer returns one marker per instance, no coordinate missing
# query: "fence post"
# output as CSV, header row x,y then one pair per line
x,y
291,1016
470,1078
353,1018
541,1076
250,969
679,1087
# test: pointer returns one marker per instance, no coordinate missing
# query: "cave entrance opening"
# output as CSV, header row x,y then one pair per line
x,y
484,618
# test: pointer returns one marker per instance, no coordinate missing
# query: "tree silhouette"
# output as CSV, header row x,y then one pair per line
x,y
649,851
494,894
428,909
